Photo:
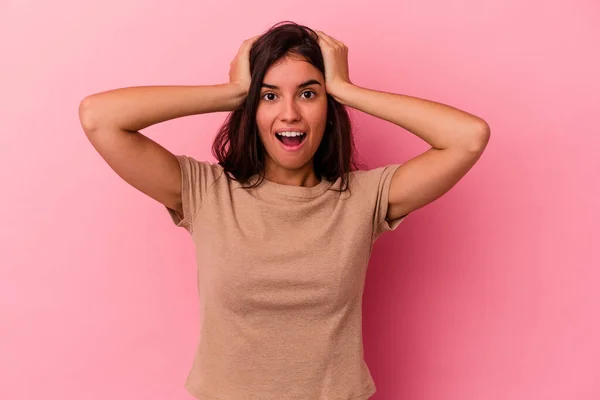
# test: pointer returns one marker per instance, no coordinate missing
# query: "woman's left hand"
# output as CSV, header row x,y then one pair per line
x,y
335,57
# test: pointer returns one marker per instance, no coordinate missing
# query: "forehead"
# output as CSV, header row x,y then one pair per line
x,y
290,71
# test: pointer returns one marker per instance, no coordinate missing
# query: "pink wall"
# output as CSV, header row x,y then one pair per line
x,y
488,293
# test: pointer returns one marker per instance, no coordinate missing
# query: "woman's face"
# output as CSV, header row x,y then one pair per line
x,y
292,98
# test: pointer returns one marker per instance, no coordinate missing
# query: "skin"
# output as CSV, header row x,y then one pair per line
x,y
112,120
287,103
457,138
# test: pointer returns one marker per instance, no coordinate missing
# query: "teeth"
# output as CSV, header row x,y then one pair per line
x,y
290,134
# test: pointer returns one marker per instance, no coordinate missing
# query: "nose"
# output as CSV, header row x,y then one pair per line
x,y
289,112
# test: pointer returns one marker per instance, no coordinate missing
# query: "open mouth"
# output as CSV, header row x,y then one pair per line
x,y
291,140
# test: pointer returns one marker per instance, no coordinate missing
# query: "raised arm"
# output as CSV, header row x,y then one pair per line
x,y
457,141
112,120
457,138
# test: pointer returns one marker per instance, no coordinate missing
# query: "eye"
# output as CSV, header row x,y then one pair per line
x,y
267,94
273,94
309,91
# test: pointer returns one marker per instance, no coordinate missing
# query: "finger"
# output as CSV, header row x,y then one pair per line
x,y
330,38
253,39
333,43
325,38
249,42
337,42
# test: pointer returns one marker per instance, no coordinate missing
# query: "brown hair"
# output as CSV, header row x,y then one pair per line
x,y
237,145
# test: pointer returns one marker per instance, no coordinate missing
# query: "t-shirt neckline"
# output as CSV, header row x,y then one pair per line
x,y
293,190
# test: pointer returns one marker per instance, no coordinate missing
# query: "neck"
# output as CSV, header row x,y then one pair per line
x,y
300,177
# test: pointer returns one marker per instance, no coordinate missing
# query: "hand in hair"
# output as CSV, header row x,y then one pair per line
x,y
239,68
335,57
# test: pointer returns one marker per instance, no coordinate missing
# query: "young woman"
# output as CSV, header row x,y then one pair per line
x,y
284,223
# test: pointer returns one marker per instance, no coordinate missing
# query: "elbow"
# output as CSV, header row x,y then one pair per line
x,y
479,138
86,116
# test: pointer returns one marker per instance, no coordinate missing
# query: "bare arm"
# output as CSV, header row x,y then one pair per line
x,y
112,120
457,141
135,108
457,138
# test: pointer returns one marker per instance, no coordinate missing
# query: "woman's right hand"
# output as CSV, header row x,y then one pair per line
x,y
239,68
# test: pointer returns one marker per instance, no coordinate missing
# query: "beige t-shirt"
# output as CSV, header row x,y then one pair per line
x,y
281,271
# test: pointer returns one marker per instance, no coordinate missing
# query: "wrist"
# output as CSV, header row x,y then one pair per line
x,y
236,93
340,92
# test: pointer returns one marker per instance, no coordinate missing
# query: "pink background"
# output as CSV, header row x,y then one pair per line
x,y
488,293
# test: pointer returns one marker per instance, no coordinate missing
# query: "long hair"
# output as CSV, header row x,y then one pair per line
x,y
237,146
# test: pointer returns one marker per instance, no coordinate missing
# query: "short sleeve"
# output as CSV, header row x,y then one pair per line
x,y
196,179
383,177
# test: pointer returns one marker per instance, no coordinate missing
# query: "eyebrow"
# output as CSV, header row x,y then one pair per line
x,y
303,84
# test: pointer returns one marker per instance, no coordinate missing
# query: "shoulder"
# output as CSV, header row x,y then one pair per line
x,y
192,164
184,158
201,175
372,177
